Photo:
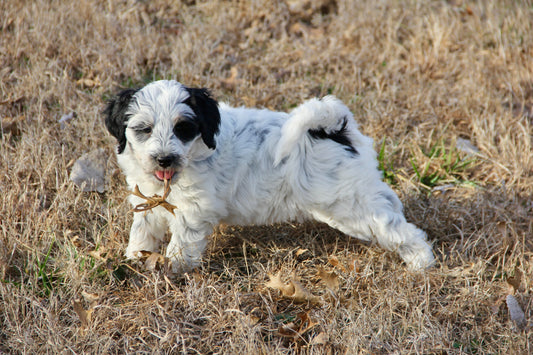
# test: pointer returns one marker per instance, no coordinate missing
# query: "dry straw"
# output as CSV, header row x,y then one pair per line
x,y
407,69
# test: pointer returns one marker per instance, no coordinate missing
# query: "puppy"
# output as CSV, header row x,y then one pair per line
x,y
250,166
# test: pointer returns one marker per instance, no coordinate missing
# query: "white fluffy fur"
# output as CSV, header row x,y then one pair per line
x,y
266,168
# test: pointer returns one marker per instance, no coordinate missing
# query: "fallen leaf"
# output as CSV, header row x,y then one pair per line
x,y
287,290
303,295
231,82
11,125
87,83
331,279
293,290
495,308
465,146
320,339
353,266
289,330
88,171
515,311
306,8
297,329
91,298
334,261
514,282
155,261
300,251
97,253
306,323
75,240
83,314
65,118
250,320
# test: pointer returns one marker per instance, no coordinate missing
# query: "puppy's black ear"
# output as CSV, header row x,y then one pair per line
x,y
116,118
205,108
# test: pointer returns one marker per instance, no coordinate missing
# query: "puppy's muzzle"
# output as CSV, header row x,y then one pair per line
x,y
166,161
167,165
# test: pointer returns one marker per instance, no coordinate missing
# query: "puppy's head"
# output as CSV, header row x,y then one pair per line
x,y
163,125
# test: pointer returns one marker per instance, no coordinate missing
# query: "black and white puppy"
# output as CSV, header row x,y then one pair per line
x,y
250,166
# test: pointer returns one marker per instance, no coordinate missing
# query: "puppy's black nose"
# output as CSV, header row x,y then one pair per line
x,y
165,161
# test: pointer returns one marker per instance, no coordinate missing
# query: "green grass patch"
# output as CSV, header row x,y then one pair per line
x,y
385,165
442,164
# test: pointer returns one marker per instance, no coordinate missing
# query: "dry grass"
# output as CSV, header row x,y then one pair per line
x,y
417,75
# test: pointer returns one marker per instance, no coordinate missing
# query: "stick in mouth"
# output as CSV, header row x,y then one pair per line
x,y
155,200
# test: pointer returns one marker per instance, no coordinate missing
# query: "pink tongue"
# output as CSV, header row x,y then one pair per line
x,y
164,174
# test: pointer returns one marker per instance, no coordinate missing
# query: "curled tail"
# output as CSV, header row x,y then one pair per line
x,y
321,118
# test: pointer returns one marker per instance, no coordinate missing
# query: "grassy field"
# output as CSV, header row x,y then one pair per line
x,y
445,89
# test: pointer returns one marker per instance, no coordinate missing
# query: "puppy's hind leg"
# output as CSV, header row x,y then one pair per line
x,y
381,219
394,233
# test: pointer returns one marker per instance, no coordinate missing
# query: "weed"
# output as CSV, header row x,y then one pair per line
x,y
385,165
44,273
442,164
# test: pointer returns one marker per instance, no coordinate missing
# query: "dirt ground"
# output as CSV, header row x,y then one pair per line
x,y
444,88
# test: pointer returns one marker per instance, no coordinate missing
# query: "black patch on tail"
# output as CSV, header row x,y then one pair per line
x,y
340,136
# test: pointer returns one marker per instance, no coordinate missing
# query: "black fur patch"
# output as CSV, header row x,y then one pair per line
x,y
205,108
116,118
336,136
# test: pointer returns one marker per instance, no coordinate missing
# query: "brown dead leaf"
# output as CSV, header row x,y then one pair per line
x,y
303,295
83,314
91,298
287,290
353,266
495,307
306,8
87,83
155,261
320,339
302,254
514,282
334,261
75,240
300,251
289,330
297,328
293,290
98,253
331,279
298,28
11,125
250,320
232,81
306,323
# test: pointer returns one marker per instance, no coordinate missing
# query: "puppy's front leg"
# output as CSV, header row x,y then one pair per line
x,y
147,230
187,246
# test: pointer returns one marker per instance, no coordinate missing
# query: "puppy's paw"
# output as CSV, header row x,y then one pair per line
x,y
139,243
418,256
133,253
181,266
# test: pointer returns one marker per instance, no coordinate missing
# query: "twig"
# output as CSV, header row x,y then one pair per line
x,y
153,201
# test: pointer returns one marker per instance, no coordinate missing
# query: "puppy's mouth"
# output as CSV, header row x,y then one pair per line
x,y
163,175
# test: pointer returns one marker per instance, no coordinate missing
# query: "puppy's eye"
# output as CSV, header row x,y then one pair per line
x,y
143,130
185,130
